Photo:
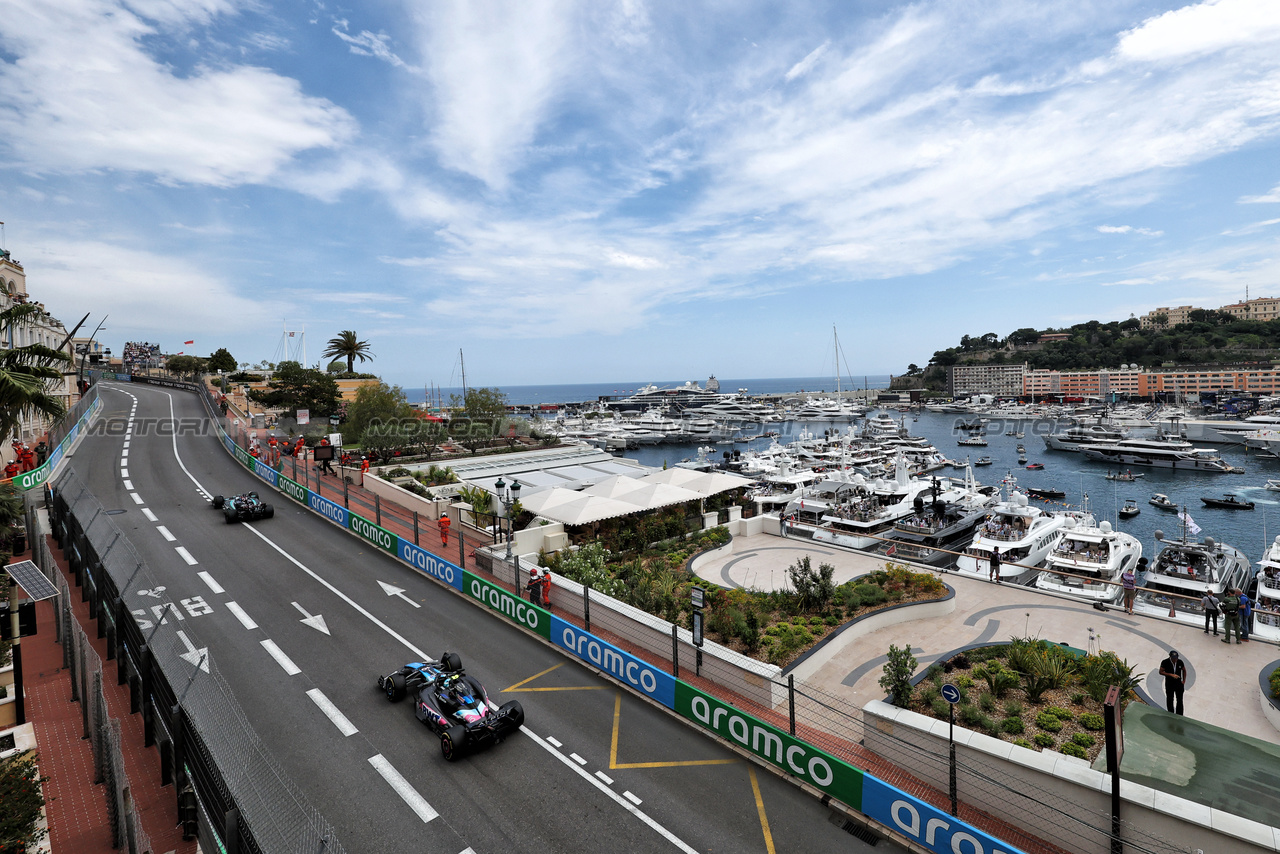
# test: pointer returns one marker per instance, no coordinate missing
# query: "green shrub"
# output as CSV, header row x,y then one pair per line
x,y
1274,681
960,661
970,716
1060,713
830,621
940,708
935,672
1076,750
1048,722
1022,742
23,801
999,679
964,682
1077,699
896,680
986,702
1090,720
989,725
1013,726
1099,672
1044,739
1084,739
1014,708
929,692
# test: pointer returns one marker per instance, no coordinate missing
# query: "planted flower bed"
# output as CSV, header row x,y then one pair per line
x,y
774,626
1030,692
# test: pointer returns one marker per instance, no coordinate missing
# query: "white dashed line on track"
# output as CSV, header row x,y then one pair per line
x,y
128,484
576,758
281,659
632,798
331,711
137,499
603,776
209,580
124,472
164,532
245,619
186,555
554,742
151,517
126,443
408,794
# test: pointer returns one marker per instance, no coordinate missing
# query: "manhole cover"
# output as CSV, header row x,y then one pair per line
x,y
114,512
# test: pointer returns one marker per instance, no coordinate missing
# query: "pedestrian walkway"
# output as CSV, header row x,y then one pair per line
x,y
1222,681
75,805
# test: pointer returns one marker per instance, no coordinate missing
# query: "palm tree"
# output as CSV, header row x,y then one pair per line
x,y
347,346
27,374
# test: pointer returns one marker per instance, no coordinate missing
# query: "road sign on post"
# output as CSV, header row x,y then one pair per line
x,y
951,694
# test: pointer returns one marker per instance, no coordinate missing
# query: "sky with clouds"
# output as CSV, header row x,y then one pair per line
x,y
620,190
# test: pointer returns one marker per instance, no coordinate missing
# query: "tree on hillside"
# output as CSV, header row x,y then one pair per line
x,y
1026,335
375,404
477,417
294,387
185,366
28,375
347,346
221,360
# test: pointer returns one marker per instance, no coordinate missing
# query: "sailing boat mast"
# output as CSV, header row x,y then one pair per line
x,y
463,363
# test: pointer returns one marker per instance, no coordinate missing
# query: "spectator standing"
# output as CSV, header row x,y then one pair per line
x,y
534,587
444,529
1230,616
546,588
1246,614
1211,610
1129,583
994,574
1175,681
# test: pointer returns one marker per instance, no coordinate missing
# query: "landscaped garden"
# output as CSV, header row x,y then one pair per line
x,y
1031,692
774,626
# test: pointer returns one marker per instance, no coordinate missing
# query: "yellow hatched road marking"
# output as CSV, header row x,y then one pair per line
x,y
764,819
518,685
613,749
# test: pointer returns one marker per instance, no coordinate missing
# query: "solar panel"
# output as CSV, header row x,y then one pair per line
x,y
29,577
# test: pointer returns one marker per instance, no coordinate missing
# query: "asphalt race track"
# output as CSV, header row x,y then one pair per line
x,y
294,619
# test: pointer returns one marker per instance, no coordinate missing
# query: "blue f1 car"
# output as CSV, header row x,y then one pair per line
x,y
453,704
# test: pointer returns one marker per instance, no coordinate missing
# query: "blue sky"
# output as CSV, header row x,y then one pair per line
x,y
623,191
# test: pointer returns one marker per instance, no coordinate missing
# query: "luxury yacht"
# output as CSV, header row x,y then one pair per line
x,y
1267,597
1189,568
942,522
1088,562
867,512
1084,434
1164,452
1024,534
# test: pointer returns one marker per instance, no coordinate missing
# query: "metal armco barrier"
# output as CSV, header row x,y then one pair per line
x,y
907,814
67,431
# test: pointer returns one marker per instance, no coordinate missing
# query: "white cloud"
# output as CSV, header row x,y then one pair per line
x,y
83,94
803,67
496,69
1129,229
1266,198
1251,228
368,44
1202,28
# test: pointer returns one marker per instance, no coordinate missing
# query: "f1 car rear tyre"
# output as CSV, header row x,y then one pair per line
x,y
218,501
516,712
268,511
451,662
453,742
231,515
395,687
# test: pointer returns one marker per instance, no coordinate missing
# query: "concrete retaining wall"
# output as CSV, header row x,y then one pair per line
x,y
1028,776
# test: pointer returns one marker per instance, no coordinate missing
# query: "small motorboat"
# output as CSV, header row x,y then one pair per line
x,y
1049,493
1124,476
978,441
1022,461
1020,435
1035,467
1021,449
1129,510
1011,432
983,461
1228,502
1161,501
1274,484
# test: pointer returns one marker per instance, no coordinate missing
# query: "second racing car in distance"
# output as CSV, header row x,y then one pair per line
x,y
453,704
246,507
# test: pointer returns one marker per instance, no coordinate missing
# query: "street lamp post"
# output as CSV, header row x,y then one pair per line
x,y
509,495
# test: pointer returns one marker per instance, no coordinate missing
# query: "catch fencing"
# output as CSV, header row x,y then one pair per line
x,y
230,792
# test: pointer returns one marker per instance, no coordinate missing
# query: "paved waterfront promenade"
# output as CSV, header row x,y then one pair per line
x,y
1222,680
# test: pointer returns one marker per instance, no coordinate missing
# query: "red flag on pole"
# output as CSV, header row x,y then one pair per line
x,y
188,342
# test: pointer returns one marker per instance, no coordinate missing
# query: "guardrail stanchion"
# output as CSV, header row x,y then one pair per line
x,y
346,498
675,652
415,528
586,606
791,700
377,510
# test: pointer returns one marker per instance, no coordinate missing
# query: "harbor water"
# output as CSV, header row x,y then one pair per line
x,y
1073,473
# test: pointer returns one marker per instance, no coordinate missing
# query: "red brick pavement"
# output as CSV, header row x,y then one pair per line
x,y
77,808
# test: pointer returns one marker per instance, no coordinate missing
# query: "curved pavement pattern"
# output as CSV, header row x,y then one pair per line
x,y
295,616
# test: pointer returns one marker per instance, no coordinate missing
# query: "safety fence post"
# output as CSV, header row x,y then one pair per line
x,y
346,497
586,606
791,699
462,551
377,510
675,652
415,528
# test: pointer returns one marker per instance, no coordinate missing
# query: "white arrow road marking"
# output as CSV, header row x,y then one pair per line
x,y
410,795
186,555
281,659
625,803
151,517
208,579
169,538
316,622
397,591
198,657
331,712
245,619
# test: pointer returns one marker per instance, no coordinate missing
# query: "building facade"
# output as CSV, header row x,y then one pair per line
x,y
1262,308
1141,383
1000,380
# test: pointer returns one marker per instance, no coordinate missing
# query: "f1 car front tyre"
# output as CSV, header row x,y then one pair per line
x,y
453,742
218,501
395,687
268,511
451,662
230,514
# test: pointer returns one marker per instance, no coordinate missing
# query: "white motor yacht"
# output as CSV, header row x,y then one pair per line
x,y
866,513
1161,452
1088,562
1084,434
1024,535
1190,568
943,522
774,491
1267,596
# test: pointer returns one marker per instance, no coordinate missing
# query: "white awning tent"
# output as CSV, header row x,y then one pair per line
x,y
575,508
703,483
645,496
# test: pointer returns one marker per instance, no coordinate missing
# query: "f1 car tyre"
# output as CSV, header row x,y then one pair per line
x,y
453,742
395,687
268,511
517,713
451,662
231,515
218,501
